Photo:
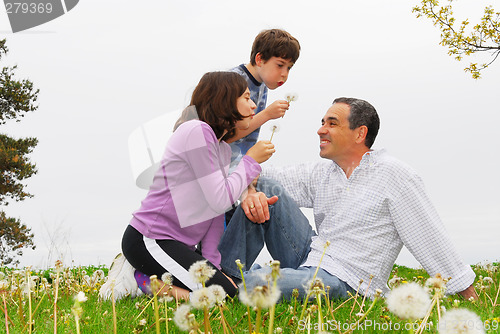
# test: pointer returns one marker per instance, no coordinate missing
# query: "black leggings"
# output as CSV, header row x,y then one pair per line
x,y
155,257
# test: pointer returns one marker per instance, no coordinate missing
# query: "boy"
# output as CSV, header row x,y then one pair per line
x,y
274,52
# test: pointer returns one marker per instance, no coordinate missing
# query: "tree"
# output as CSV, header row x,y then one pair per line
x,y
463,40
16,99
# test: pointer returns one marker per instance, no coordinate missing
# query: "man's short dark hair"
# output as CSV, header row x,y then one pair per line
x,y
362,113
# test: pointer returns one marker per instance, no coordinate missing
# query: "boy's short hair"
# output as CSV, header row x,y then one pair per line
x,y
275,43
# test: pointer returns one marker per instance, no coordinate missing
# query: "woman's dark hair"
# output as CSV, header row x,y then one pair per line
x,y
214,102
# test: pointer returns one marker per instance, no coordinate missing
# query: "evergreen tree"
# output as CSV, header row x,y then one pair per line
x,y
17,97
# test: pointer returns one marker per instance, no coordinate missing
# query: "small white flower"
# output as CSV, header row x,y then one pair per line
x,y
218,293
80,297
201,271
181,317
142,322
290,97
460,321
202,298
409,301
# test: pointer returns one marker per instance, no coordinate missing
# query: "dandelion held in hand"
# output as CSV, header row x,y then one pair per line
x,y
291,97
274,128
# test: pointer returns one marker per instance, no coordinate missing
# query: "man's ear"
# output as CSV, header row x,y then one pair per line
x,y
362,132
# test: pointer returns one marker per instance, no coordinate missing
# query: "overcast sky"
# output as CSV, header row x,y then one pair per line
x,y
107,67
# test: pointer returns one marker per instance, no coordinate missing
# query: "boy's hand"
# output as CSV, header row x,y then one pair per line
x,y
277,109
256,206
261,151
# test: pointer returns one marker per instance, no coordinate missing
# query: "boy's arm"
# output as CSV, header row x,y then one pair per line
x,y
275,110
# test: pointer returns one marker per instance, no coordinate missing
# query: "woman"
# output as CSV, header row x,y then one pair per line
x,y
192,189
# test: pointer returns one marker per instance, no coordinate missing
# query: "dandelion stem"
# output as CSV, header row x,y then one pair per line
x,y
355,325
55,300
113,305
420,328
28,282
238,263
5,311
258,320
272,134
166,316
496,298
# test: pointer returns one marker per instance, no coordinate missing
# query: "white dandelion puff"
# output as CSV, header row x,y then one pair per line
x,y
181,317
409,301
261,297
218,293
274,128
290,97
460,321
201,271
166,278
488,280
202,298
4,285
80,297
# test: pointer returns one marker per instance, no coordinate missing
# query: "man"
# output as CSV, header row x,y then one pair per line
x,y
366,203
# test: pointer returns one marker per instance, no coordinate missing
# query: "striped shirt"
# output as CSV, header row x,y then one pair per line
x,y
258,94
368,217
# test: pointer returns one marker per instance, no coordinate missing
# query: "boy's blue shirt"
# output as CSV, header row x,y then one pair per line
x,y
258,94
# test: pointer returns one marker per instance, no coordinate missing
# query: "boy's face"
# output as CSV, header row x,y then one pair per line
x,y
273,72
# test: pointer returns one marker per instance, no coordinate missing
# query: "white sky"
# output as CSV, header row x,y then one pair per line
x,y
106,67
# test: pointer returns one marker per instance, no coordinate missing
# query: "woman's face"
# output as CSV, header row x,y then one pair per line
x,y
246,107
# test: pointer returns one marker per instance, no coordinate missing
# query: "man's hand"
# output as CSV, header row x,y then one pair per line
x,y
256,206
468,293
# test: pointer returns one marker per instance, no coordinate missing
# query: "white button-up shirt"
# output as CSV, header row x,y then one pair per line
x,y
368,217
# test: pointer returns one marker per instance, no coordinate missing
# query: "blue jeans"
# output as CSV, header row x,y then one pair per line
x,y
287,235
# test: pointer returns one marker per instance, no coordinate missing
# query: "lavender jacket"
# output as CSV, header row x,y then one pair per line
x,y
191,190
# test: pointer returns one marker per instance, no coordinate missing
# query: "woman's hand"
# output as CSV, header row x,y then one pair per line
x,y
261,151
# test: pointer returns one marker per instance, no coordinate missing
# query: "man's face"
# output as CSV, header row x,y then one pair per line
x,y
336,139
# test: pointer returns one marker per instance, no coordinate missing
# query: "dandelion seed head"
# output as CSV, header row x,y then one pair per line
x,y
274,128
80,297
201,271
202,298
488,280
290,97
166,278
182,317
261,296
460,321
4,285
98,274
218,293
238,263
408,301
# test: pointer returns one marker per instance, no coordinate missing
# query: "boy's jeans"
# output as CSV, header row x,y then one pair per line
x,y
287,235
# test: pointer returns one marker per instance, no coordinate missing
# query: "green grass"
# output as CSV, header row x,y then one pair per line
x,y
97,316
